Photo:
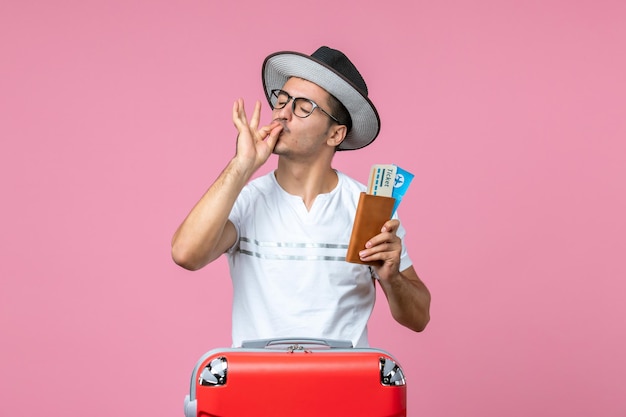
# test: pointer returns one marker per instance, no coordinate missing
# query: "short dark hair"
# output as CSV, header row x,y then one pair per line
x,y
339,111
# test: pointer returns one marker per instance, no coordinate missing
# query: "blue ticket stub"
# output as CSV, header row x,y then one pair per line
x,y
403,180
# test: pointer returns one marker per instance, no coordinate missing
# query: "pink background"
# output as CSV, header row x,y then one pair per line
x,y
115,117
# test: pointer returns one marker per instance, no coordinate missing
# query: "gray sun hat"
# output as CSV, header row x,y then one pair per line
x,y
333,71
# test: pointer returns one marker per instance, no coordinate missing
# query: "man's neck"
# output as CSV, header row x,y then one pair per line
x,y
305,180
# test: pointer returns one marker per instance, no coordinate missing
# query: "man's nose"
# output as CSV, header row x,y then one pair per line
x,y
286,112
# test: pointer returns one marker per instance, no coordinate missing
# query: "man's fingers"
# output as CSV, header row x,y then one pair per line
x,y
256,116
273,135
239,113
390,226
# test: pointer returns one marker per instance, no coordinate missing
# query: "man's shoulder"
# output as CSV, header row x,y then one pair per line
x,y
348,182
263,183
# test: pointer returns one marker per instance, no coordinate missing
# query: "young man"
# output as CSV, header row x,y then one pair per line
x,y
286,233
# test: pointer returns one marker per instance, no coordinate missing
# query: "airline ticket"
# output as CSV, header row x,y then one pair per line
x,y
389,180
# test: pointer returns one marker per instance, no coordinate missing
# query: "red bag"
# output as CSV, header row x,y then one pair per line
x,y
296,377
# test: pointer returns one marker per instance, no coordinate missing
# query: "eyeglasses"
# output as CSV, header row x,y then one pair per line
x,y
301,107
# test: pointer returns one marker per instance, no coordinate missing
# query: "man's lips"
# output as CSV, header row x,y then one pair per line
x,y
282,123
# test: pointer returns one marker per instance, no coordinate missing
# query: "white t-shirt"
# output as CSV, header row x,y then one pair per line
x,y
290,277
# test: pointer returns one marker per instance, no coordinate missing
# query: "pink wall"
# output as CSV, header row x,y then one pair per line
x,y
115,117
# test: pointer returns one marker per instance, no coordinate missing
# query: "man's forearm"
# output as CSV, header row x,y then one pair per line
x,y
409,300
199,239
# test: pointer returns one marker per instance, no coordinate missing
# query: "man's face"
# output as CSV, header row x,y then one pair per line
x,y
303,135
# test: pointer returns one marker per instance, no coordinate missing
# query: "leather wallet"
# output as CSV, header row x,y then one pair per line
x,y
372,212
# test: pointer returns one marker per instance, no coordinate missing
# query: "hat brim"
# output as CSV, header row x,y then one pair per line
x,y
279,67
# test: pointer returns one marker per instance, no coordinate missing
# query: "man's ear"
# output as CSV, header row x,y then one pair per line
x,y
337,135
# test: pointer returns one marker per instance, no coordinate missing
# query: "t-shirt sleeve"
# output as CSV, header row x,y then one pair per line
x,y
235,216
405,260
